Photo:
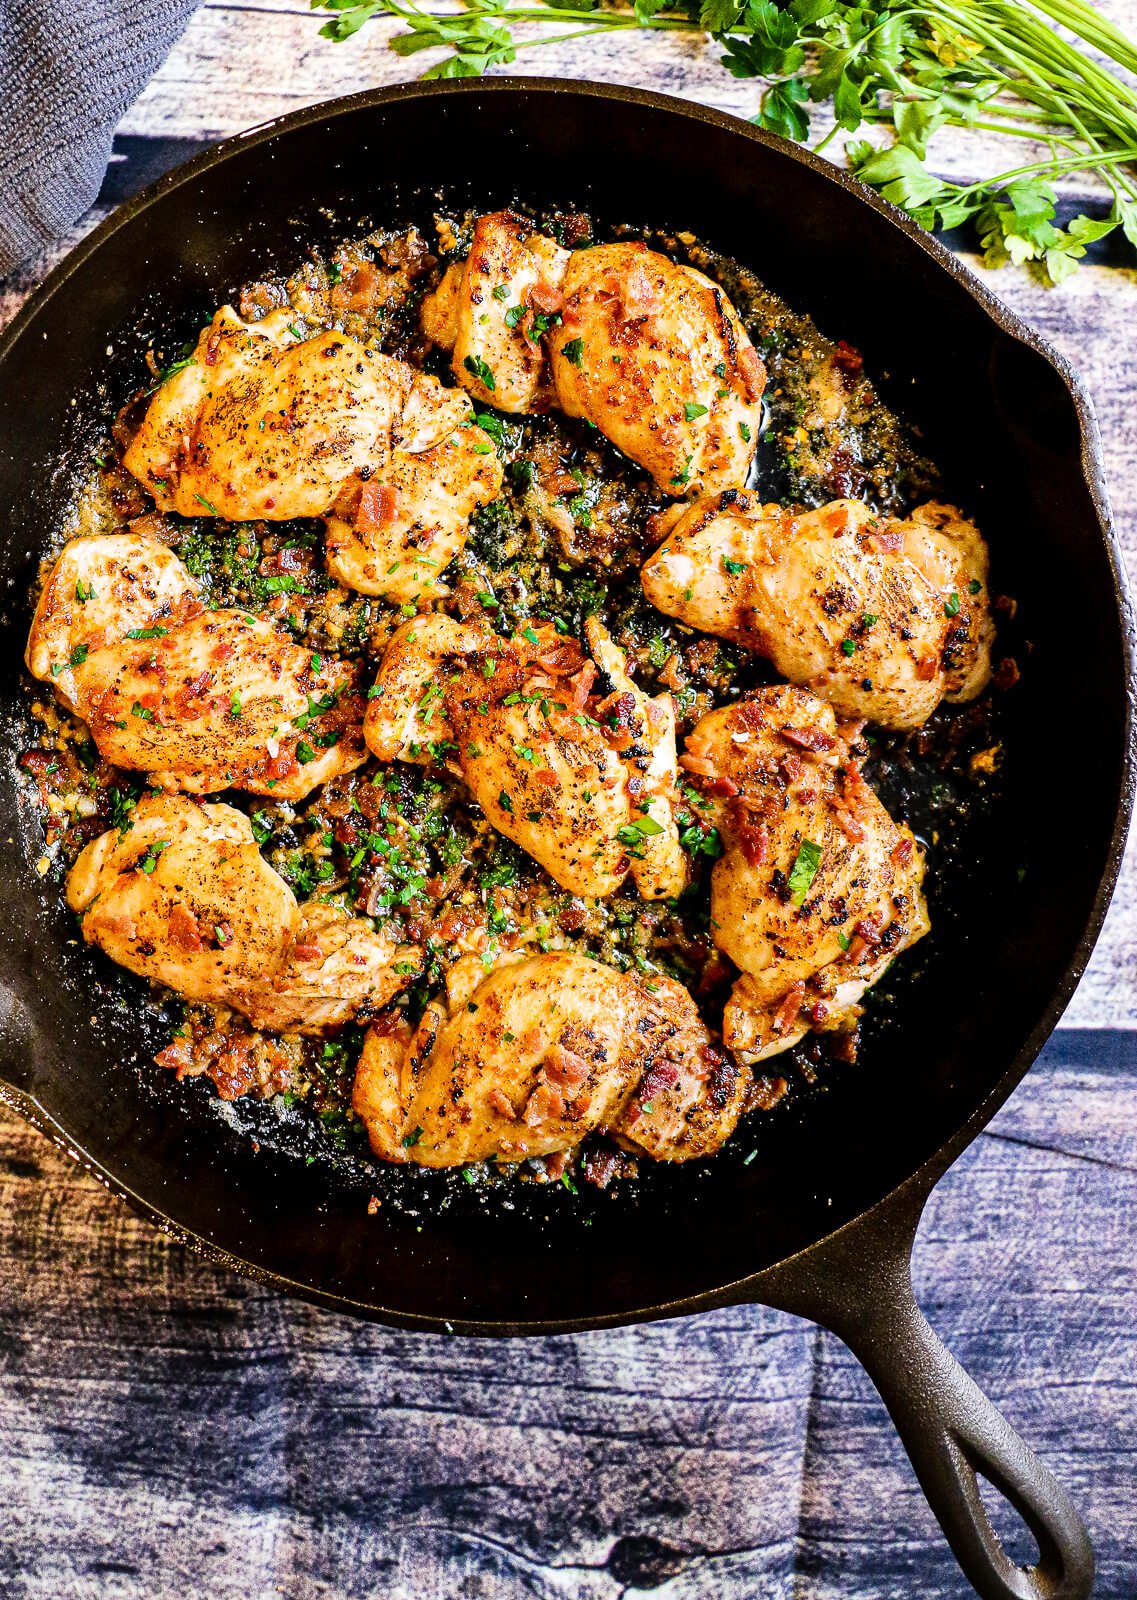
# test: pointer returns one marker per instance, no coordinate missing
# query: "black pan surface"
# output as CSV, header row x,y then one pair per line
x,y
1014,433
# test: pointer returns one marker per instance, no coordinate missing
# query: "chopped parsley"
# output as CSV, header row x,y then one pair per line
x,y
483,373
849,647
951,605
505,802
573,350
693,409
147,633
734,567
150,859
803,871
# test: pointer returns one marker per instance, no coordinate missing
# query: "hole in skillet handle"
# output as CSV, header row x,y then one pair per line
x,y
858,1284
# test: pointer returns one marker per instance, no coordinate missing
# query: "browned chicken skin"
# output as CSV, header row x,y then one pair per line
x,y
880,616
817,889
565,756
201,700
264,423
183,896
651,352
528,1060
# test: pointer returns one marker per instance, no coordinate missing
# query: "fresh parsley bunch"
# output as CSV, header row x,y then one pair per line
x,y
1044,72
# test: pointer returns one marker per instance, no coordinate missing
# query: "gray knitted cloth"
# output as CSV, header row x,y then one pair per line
x,y
67,74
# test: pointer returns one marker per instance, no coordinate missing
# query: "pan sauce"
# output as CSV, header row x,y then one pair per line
x,y
564,541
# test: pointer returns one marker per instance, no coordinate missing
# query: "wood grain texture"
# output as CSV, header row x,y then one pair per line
x,y
167,1430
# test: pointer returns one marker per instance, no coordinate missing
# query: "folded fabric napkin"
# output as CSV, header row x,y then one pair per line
x,y
67,74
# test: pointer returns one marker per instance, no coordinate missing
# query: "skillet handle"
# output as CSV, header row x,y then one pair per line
x,y
859,1285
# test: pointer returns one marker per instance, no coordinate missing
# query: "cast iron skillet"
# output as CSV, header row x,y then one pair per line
x,y
823,1223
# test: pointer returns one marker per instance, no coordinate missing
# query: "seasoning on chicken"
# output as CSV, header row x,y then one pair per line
x,y
880,616
817,890
263,423
491,310
218,700
564,755
182,896
651,352
100,589
528,1060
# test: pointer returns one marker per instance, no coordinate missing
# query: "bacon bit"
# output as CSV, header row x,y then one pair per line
x,y
566,1067
808,738
184,931
747,715
885,540
1001,602
754,842
177,1057
284,765
545,1104
307,952
842,1046
847,822
851,730
377,507
848,360
716,971
858,945
361,286
286,560
570,316
633,1112
498,1102
752,372
902,851
787,1013
699,765
662,1075
726,788
547,779
672,675
555,1165
543,297
212,345
1006,673
581,686
926,667
373,1205
561,483
563,657
638,296
600,1166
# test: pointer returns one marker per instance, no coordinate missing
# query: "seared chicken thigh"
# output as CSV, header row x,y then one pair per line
x,y
399,524
263,424
201,700
492,308
183,896
656,356
652,353
882,617
817,889
581,780
531,1058
100,589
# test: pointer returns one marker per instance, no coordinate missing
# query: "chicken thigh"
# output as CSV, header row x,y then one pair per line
x,y
100,589
261,423
183,896
581,780
528,1060
201,700
882,617
652,353
491,310
817,889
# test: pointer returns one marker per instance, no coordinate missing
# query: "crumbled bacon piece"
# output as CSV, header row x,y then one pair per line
x,y
545,1104
787,1013
498,1102
566,1067
637,295
377,506
545,298
580,685
848,360
752,372
902,851
184,931
1006,673
885,540
307,952
699,765
808,738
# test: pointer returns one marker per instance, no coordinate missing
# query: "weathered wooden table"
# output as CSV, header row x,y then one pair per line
x,y
169,1431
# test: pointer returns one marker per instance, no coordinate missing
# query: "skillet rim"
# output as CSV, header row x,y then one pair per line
x,y
920,1180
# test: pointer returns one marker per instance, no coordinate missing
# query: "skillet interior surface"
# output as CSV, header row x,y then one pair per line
x,y
992,410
